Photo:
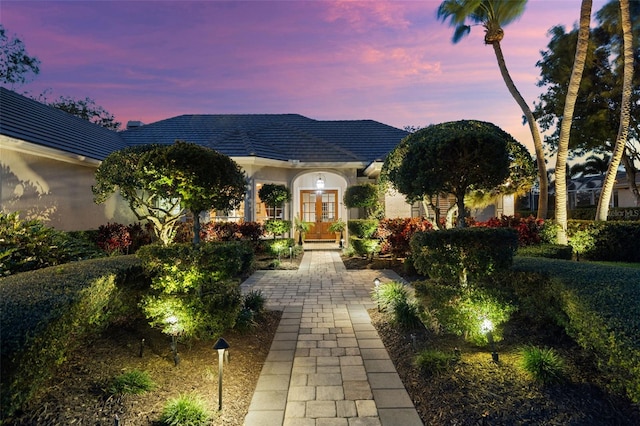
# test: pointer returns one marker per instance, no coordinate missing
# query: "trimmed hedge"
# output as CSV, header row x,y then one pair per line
x,y
615,241
602,308
461,253
46,314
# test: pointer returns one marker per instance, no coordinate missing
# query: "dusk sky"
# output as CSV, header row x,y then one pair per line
x,y
390,61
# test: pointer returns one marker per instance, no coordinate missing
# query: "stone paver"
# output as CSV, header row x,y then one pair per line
x,y
327,364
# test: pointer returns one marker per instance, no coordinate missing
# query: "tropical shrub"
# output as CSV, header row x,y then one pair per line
x,y
114,238
463,253
220,231
528,228
464,312
186,410
26,245
251,230
195,287
396,234
362,228
365,247
277,227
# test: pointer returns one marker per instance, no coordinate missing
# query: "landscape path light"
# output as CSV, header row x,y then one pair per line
x,y
173,322
221,346
376,283
487,328
290,254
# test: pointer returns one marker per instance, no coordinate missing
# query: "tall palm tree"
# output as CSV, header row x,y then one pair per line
x,y
567,117
625,113
493,15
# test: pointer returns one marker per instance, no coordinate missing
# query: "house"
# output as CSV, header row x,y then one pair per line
x,y
49,157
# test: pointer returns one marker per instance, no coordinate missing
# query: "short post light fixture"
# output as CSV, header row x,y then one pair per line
x,y
341,241
290,254
376,283
173,330
487,328
221,346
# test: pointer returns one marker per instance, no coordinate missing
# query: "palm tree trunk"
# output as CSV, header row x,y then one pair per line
x,y
625,112
567,119
533,127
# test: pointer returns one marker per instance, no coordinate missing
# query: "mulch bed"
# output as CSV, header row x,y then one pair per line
x,y
476,391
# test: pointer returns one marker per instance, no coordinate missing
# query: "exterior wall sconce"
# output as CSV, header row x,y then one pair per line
x,y
320,183
221,346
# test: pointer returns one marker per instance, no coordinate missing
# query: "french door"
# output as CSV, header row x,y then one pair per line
x,y
321,210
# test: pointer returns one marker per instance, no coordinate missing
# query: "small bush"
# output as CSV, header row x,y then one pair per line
x,y
365,247
528,228
406,313
251,230
114,238
462,312
186,410
389,294
434,361
26,245
279,247
543,364
254,300
396,234
362,228
277,227
220,231
134,382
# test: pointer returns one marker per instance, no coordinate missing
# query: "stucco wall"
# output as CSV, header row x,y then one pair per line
x,y
56,192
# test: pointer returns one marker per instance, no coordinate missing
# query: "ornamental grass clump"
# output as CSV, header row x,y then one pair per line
x,y
185,410
545,365
134,382
393,297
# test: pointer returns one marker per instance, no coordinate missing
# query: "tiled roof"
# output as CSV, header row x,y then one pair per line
x,y
271,136
275,136
28,120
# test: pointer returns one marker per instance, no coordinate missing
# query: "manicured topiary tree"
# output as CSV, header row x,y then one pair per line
x,y
451,158
161,183
274,195
364,195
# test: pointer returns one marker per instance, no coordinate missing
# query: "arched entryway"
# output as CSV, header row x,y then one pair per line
x,y
318,201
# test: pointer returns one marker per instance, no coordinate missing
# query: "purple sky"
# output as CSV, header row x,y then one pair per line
x,y
389,61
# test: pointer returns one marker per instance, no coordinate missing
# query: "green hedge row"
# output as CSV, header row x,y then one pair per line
x,y
46,314
615,241
601,307
463,253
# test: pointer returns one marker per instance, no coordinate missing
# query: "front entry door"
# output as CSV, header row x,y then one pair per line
x,y
320,208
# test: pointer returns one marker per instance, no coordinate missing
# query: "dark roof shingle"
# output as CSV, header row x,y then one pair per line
x,y
25,119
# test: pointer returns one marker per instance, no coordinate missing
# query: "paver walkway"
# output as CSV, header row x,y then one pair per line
x,y
327,364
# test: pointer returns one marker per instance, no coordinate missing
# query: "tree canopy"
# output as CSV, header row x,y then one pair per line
x,y
493,15
87,110
16,66
274,195
162,182
450,158
597,111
